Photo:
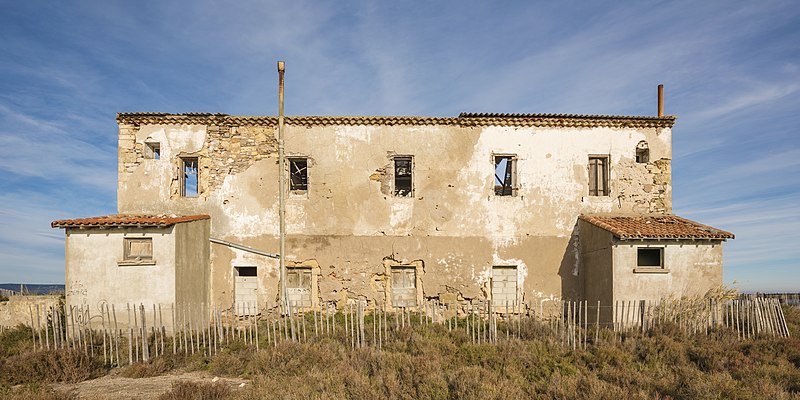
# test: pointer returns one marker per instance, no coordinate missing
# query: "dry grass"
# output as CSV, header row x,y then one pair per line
x,y
432,363
196,391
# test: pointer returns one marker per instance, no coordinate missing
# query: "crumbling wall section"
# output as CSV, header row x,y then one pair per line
x,y
646,186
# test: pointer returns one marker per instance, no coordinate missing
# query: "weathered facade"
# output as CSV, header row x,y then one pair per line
x,y
395,210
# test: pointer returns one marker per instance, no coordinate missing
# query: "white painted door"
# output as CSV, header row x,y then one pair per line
x,y
298,287
404,287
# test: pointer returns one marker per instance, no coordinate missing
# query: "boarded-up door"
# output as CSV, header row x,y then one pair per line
x,y
245,290
504,286
298,287
404,287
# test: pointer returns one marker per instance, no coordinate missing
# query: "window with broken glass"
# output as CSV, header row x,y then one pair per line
x,y
598,176
642,152
505,175
189,177
298,175
403,184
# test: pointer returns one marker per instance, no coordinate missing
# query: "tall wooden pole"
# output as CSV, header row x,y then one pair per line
x,y
282,184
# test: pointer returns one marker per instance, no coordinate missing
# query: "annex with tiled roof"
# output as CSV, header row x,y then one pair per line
x,y
464,119
121,221
655,227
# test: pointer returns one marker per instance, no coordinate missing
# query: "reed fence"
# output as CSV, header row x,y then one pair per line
x,y
139,332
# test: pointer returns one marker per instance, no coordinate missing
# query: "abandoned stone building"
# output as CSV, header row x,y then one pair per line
x,y
392,211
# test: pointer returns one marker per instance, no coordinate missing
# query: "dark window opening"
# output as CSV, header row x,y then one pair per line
x,y
505,176
642,153
598,176
650,257
246,271
402,177
298,174
189,175
152,150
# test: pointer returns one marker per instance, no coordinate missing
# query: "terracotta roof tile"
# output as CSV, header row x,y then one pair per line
x,y
655,227
464,119
127,220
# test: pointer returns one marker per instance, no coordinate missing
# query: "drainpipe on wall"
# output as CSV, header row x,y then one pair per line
x,y
282,191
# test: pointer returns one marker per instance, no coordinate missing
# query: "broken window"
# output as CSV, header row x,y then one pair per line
x,y
402,176
298,287
642,152
152,150
298,175
189,175
650,257
138,249
598,176
404,286
504,285
505,175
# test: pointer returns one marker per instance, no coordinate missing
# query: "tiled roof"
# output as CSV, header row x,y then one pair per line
x,y
126,221
464,119
655,227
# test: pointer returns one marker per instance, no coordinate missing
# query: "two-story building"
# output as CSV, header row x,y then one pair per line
x,y
392,211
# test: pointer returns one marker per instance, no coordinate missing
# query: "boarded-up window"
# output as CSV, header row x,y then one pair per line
x,y
598,176
138,249
504,285
298,287
189,177
404,286
298,175
403,182
650,257
245,290
505,175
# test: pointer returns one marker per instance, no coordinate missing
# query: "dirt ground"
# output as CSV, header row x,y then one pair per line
x,y
120,388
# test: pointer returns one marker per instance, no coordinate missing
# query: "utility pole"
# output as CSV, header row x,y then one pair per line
x,y
282,189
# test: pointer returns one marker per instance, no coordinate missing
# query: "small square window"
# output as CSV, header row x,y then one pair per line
x,y
403,181
152,150
138,249
189,177
298,175
505,175
598,176
650,257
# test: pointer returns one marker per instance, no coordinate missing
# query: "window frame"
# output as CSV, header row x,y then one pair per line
x,y
661,268
395,190
405,269
152,150
514,187
291,162
592,170
642,152
183,176
129,259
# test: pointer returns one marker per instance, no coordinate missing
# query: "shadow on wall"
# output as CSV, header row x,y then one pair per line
x,y
570,269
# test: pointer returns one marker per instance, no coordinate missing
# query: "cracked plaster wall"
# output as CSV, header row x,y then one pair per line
x,y
349,222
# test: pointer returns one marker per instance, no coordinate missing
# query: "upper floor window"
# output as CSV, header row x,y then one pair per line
x,y
403,180
298,175
152,150
642,152
189,177
505,175
598,175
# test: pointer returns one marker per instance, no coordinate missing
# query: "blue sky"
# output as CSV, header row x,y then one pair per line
x,y
731,71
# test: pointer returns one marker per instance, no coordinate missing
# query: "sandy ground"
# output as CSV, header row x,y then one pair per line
x,y
121,388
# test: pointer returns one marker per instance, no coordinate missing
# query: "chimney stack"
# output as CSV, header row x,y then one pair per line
x,y
661,100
